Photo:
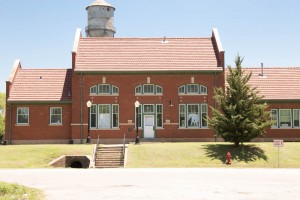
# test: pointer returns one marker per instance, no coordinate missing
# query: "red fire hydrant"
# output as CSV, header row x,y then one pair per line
x,y
228,158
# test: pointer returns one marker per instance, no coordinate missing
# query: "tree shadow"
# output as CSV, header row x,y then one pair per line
x,y
246,153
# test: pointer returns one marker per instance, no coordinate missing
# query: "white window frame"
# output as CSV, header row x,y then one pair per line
x,y
276,125
51,114
196,87
94,87
139,89
187,114
290,111
102,85
20,108
203,89
112,115
96,116
109,105
114,90
181,89
162,116
201,113
148,92
159,89
184,112
294,118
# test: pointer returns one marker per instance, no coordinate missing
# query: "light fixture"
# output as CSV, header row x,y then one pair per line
x,y
170,103
88,104
137,138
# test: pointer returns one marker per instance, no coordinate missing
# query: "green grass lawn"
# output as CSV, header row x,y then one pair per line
x,y
15,191
259,155
38,156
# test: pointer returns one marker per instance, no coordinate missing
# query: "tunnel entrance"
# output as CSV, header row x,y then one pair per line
x,y
76,164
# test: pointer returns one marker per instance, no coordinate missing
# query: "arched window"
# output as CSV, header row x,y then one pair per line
x,y
148,89
192,89
104,89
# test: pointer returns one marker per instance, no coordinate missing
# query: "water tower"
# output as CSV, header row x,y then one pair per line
x,y
100,19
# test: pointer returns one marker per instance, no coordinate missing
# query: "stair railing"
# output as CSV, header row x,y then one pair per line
x,y
123,150
96,150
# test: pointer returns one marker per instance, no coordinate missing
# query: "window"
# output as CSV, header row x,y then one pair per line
x,y
93,116
182,117
204,115
203,89
93,90
181,89
148,108
108,116
22,115
148,89
158,90
274,117
296,118
285,118
104,89
55,115
138,89
139,116
115,116
193,115
192,89
159,115
115,90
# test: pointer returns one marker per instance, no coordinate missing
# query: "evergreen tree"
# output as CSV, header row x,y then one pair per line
x,y
2,115
241,114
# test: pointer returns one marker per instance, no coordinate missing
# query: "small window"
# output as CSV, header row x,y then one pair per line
x,y
203,89
193,89
22,115
55,115
138,89
159,90
104,89
93,90
148,108
115,116
181,89
296,118
182,118
115,90
285,118
93,121
148,89
274,117
159,115
204,115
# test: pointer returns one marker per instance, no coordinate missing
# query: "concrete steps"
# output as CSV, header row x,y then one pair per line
x,y
110,156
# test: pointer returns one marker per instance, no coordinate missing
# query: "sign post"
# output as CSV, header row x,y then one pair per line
x,y
278,143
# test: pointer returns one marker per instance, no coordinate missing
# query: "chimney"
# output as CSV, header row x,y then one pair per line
x,y
262,69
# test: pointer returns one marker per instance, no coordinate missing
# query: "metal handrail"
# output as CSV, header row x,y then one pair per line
x,y
123,150
96,149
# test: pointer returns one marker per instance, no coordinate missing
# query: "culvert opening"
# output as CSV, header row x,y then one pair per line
x,y
76,164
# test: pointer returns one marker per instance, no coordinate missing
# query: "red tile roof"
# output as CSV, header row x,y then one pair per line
x,y
41,85
146,55
277,83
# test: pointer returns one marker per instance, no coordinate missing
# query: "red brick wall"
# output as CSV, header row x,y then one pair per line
x,y
39,120
126,99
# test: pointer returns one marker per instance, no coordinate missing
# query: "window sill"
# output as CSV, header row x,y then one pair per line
x,y
193,128
104,129
55,124
22,124
191,94
105,95
148,94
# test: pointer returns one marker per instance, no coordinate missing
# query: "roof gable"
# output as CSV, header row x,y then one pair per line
x,y
41,85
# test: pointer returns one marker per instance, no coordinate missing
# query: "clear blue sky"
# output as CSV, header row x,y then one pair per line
x,y
41,32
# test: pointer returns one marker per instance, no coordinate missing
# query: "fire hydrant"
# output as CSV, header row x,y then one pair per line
x,y
228,158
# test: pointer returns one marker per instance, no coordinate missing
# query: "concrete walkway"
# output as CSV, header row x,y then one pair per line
x,y
131,184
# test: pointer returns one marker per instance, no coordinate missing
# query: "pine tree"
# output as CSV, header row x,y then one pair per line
x,y
241,114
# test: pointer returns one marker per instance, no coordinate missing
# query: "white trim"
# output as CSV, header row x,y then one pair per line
x,y
12,74
291,117
294,118
18,115
61,114
78,35
215,34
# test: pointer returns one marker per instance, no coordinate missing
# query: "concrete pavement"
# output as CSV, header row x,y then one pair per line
x,y
146,184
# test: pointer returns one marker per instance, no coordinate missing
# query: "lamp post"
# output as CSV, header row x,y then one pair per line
x,y
88,139
137,138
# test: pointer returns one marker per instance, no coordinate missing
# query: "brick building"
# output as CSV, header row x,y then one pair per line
x,y
171,78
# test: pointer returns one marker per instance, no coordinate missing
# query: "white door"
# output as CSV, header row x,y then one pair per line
x,y
148,126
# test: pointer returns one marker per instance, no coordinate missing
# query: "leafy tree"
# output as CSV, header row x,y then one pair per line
x,y
2,114
241,114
